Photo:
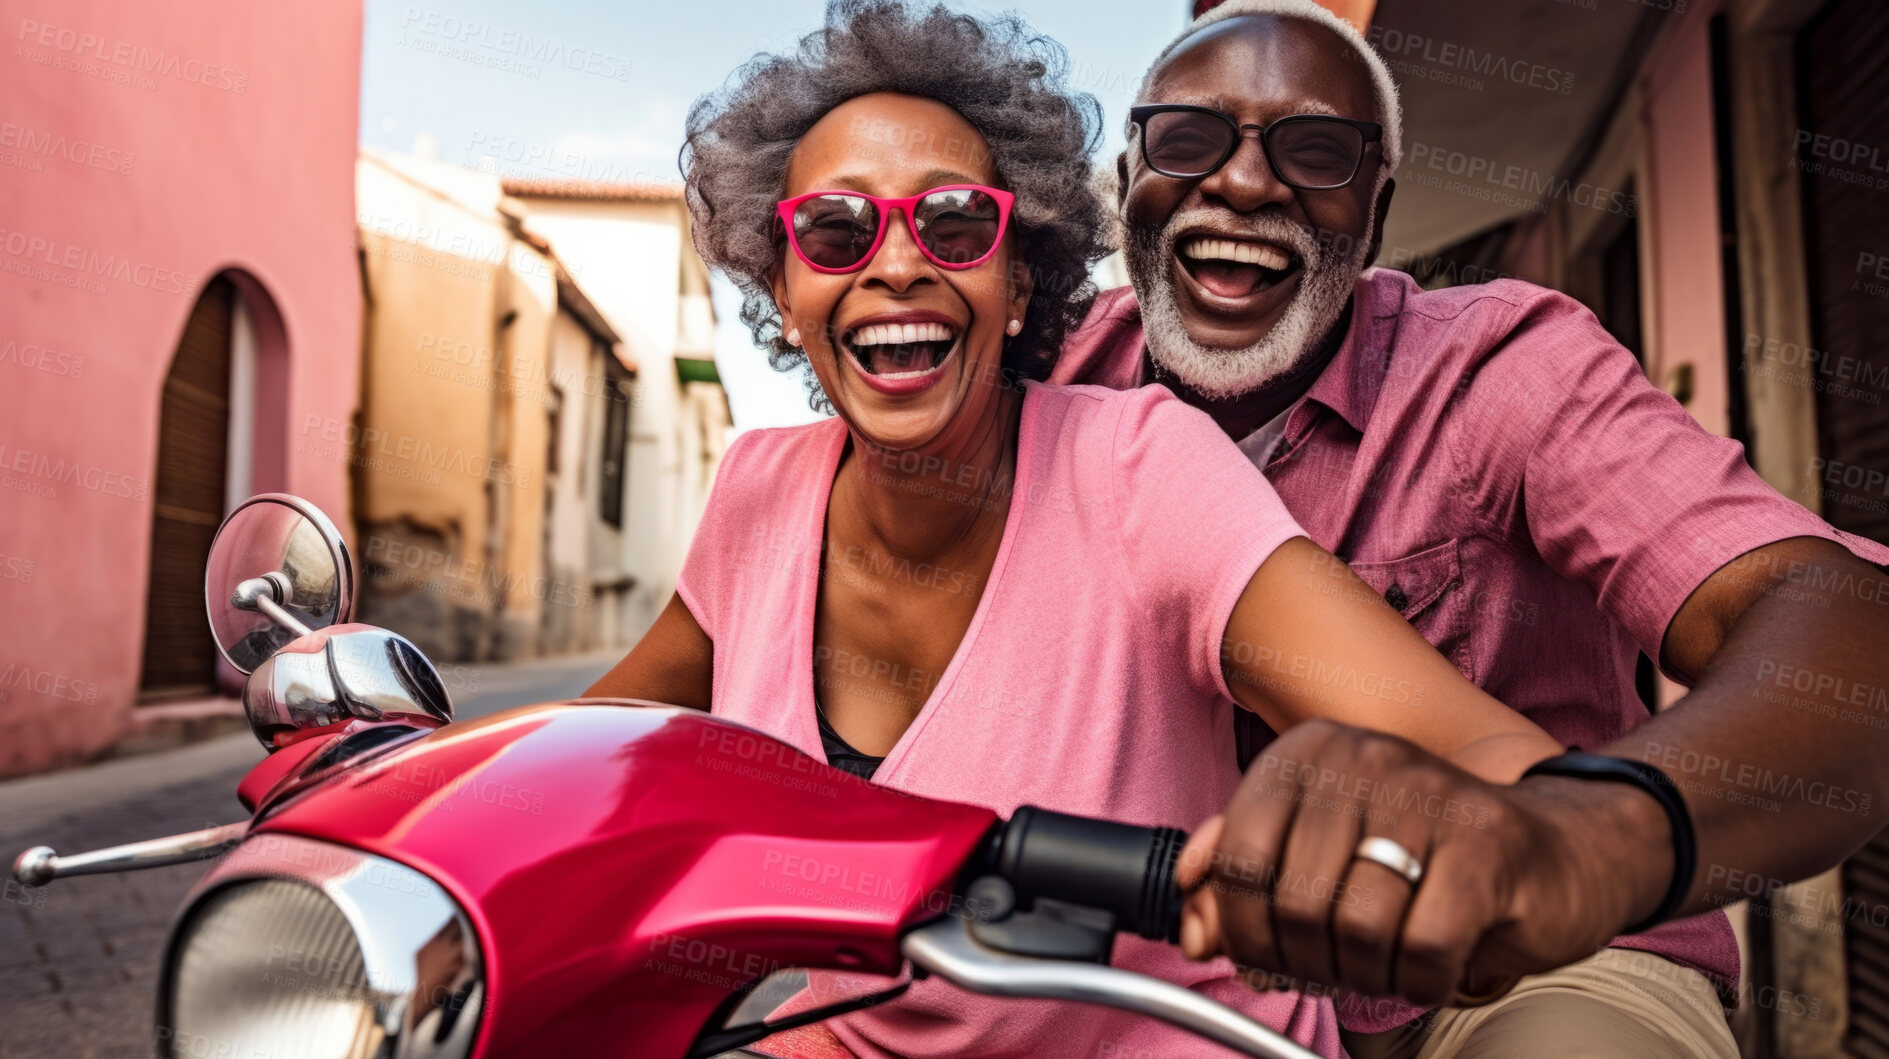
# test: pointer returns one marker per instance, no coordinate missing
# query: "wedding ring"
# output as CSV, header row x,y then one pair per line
x,y
1380,850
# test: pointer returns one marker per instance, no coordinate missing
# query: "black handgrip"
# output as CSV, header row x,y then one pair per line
x,y
1123,870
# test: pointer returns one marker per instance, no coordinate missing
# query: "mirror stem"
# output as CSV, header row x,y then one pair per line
x,y
274,612
266,594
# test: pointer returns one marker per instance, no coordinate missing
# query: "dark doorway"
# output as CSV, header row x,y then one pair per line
x,y
1620,288
193,444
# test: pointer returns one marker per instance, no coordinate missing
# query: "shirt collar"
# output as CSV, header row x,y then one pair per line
x,y
1350,384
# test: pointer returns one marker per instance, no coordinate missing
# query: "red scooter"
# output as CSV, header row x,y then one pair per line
x,y
582,878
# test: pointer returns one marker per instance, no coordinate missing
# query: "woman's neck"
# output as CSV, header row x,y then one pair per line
x,y
935,506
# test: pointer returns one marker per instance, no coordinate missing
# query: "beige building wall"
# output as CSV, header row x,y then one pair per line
x,y
451,438
704,438
522,438
567,544
615,585
423,367
576,532
630,249
498,326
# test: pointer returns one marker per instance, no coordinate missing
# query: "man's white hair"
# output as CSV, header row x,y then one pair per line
x,y
1390,112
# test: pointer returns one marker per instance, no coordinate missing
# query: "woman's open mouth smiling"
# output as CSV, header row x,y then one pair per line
x,y
902,354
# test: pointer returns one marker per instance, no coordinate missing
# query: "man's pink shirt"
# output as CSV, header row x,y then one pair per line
x,y
1496,465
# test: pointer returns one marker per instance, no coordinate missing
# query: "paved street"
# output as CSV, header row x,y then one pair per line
x,y
78,958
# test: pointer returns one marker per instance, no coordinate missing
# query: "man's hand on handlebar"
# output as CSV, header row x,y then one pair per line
x,y
1509,880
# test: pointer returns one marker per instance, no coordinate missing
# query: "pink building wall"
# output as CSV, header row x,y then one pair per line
x,y
1686,316
146,148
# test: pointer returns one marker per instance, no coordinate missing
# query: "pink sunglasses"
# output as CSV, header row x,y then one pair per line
x,y
956,227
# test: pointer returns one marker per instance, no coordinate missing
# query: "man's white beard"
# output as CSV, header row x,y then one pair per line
x,y
1325,285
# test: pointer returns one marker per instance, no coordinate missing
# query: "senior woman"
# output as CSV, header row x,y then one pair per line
x,y
975,586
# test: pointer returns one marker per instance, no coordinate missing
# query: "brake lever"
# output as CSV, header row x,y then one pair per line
x,y
945,947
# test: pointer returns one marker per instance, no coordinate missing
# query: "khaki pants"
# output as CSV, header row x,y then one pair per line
x,y
1616,1004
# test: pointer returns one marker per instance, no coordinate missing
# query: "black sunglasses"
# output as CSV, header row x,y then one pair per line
x,y
1311,152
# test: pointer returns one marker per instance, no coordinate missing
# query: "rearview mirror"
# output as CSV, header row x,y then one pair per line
x,y
280,592
287,544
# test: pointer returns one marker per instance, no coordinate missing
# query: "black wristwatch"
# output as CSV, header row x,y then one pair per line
x,y
1581,766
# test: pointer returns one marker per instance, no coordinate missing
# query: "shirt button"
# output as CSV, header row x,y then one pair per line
x,y
1395,596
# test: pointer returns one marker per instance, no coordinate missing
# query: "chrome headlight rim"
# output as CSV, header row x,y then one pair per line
x,y
383,902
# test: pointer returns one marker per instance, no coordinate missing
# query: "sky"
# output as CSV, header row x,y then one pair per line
x,y
472,75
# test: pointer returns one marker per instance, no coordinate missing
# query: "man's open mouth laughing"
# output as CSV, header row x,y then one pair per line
x,y
1236,274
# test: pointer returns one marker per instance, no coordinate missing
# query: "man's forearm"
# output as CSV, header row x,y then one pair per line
x,y
1782,748
1781,754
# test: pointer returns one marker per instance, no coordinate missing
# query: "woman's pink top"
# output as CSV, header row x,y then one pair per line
x,y
1088,680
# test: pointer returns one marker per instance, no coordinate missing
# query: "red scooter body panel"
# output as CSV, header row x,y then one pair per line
x,y
628,868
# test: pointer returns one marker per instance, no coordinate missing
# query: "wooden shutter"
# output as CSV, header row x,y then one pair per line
x,y
616,439
1842,89
1845,84
193,442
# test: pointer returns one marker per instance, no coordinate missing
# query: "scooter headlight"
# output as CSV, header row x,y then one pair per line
x,y
273,965
296,949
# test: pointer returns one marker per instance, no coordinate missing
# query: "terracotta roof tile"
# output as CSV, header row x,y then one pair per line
x,y
600,190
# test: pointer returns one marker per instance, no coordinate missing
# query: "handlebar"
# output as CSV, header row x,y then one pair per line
x,y
1123,870
1085,880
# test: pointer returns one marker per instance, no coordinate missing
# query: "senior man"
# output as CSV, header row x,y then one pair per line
x,y
1499,468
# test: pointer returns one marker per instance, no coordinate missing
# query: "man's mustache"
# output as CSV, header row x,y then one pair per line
x,y
1268,228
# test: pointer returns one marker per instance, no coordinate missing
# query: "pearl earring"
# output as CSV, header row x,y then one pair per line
x,y
793,337
1014,326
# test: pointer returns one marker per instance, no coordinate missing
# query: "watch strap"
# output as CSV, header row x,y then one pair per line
x,y
1584,766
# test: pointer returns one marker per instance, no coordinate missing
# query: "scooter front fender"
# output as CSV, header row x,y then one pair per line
x,y
628,868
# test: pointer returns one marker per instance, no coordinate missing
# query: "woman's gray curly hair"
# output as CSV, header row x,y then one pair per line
x,y
1006,80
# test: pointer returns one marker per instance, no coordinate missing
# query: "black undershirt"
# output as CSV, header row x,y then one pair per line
x,y
841,755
